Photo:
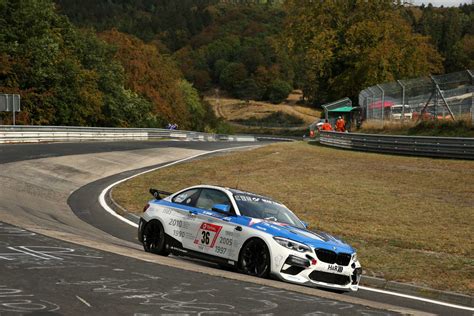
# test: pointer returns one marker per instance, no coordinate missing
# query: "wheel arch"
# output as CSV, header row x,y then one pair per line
x,y
153,220
266,244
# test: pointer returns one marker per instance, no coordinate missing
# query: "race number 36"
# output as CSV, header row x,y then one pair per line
x,y
207,235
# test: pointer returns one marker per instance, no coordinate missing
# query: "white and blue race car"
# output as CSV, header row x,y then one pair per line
x,y
252,233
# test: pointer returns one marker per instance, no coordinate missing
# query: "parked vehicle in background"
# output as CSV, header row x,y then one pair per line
x,y
397,112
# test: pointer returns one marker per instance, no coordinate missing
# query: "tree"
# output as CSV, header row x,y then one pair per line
x,y
248,89
278,91
447,28
232,75
65,76
343,47
195,106
463,53
152,75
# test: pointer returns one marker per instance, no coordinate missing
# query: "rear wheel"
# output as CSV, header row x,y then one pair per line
x,y
154,239
254,258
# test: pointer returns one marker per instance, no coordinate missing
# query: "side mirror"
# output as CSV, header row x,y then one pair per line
x,y
305,224
221,208
155,193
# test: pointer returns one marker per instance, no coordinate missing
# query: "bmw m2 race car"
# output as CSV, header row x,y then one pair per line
x,y
252,233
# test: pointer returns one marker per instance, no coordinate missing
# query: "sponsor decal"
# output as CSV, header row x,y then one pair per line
x,y
255,199
207,235
335,268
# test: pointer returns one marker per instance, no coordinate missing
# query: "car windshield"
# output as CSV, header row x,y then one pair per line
x,y
263,208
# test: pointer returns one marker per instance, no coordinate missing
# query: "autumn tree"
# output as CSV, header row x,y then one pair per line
x,y
65,76
346,46
449,29
152,75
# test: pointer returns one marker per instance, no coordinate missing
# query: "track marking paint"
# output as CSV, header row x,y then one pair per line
x,y
106,207
83,300
412,297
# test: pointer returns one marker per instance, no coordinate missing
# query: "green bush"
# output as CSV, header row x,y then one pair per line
x,y
276,119
278,91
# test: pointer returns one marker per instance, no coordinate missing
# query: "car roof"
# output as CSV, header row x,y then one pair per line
x,y
231,190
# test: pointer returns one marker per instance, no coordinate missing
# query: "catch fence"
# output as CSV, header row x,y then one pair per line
x,y
449,96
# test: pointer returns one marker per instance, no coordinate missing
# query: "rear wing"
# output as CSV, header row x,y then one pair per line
x,y
156,193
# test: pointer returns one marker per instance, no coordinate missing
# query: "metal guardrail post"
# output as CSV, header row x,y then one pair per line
x,y
471,75
372,102
440,93
383,101
403,99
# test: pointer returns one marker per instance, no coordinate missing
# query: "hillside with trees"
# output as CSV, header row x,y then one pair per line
x,y
231,44
71,76
146,63
359,44
451,30
260,50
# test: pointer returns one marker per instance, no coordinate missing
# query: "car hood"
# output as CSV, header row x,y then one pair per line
x,y
314,239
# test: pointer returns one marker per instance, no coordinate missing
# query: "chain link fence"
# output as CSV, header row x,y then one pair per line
x,y
449,96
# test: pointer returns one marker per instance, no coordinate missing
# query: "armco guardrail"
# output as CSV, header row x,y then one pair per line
x,y
446,147
30,134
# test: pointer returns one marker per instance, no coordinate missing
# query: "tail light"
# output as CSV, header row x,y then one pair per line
x,y
146,207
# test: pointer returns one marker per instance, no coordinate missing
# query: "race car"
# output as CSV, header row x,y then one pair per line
x,y
253,234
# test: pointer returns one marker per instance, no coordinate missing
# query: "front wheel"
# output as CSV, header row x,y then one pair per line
x,y
254,258
154,239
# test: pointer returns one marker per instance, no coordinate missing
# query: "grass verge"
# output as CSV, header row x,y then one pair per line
x,y
440,128
411,219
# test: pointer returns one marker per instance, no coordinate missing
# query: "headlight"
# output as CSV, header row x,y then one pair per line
x,y
291,244
354,256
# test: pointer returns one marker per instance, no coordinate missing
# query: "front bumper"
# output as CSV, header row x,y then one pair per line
x,y
309,270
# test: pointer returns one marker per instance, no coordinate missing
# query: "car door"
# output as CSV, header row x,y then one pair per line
x,y
215,232
180,218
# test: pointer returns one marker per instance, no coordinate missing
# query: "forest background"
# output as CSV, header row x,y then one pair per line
x,y
145,63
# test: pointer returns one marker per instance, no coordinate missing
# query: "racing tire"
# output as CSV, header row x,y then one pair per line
x,y
154,239
254,258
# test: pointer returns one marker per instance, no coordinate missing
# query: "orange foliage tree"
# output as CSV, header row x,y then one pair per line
x,y
151,74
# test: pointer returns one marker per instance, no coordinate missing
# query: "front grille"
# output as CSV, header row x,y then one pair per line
x,y
343,259
329,256
330,278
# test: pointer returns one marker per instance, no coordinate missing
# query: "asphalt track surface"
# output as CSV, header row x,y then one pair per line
x,y
71,279
21,152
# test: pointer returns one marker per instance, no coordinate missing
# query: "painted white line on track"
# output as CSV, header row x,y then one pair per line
x,y
28,253
106,207
83,300
427,300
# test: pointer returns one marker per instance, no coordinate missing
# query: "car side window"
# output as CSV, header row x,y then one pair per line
x,y
209,197
188,197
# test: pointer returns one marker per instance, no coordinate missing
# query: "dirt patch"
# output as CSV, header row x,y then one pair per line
x,y
234,109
